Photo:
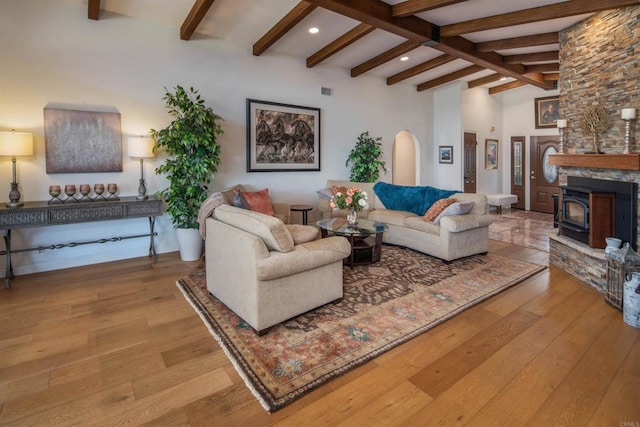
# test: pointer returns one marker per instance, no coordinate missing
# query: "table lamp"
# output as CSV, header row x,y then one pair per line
x,y
15,144
141,147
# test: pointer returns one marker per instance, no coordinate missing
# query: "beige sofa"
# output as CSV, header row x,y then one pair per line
x,y
455,237
267,272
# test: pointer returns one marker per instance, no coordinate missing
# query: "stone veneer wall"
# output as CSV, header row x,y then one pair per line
x,y
586,264
599,63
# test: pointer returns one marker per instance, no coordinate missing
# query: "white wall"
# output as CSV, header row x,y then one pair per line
x,y
447,130
53,55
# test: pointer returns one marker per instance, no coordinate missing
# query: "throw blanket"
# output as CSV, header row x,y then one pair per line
x,y
416,200
206,209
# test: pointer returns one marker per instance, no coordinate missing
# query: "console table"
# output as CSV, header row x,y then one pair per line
x,y
43,214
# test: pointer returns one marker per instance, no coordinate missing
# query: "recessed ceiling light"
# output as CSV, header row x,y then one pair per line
x,y
404,58
314,30
503,79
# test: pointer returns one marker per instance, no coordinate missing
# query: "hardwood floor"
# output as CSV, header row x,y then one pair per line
x,y
118,344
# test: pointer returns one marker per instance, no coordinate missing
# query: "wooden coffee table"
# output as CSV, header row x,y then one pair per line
x,y
365,238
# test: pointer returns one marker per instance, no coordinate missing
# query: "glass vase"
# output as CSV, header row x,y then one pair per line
x,y
352,218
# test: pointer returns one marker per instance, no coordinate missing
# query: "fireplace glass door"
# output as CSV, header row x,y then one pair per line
x,y
575,212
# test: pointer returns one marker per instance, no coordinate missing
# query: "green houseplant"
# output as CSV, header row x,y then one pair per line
x,y
366,159
190,141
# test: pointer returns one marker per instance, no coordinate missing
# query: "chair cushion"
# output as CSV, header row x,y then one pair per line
x,y
270,229
302,233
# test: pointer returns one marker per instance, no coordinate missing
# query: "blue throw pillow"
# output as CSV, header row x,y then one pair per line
x,y
416,200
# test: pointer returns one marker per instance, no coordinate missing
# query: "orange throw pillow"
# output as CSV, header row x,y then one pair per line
x,y
437,207
258,201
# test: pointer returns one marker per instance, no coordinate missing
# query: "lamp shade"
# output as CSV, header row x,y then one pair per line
x,y
16,144
141,146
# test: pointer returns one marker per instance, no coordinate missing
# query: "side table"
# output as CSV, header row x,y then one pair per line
x,y
302,208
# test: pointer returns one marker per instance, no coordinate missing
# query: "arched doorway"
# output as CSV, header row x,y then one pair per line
x,y
405,168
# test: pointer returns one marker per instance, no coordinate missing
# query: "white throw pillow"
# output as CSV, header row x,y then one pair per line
x,y
458,208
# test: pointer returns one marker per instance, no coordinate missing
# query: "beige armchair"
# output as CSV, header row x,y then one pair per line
x,y
266,275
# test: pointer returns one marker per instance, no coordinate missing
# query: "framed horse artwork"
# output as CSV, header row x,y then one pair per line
x,y
282,137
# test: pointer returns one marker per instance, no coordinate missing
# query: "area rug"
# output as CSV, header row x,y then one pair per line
x,y
384,305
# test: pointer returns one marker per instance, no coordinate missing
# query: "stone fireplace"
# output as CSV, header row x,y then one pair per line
x,y
577,258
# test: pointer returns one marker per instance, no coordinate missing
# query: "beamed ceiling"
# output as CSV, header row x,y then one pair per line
x,y
498,44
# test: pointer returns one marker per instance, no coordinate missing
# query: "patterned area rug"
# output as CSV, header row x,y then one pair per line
x,y
384,305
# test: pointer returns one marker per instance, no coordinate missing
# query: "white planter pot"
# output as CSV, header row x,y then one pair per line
x,y
190,244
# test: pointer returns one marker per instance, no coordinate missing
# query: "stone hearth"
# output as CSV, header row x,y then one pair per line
x,y
581,261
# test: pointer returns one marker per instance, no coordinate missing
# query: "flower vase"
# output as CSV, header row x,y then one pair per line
x,y
352,218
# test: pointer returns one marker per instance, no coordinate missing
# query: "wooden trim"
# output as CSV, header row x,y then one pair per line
x,y
93,9
597,161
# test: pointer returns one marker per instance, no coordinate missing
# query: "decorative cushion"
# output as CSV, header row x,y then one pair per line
x,y
239,201
457,208
438,207
325,193
229,193
412,199
271,230
302,233
258,201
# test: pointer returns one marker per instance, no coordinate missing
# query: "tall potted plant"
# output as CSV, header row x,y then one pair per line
x,y
190,142
366,159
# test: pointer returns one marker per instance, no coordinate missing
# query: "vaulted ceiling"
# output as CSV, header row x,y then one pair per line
x,y
498,44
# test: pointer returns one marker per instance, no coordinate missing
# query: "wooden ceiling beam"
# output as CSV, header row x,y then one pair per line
x,y
411,7
384,57
378,14
484,80
536,14
420,68
340,43
93,9
543,68
193,19
552,76
290,20
505,87
518,42
553,55
449,77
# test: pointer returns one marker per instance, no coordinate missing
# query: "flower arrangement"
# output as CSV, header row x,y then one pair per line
x,y
351,198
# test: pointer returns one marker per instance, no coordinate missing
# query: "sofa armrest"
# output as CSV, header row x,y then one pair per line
x,y
282,211
306,256
458,223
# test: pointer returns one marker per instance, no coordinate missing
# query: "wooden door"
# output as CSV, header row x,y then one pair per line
x,y
470,177
543,178
518,160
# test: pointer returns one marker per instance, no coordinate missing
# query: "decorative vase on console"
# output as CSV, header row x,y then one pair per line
x,y
352,218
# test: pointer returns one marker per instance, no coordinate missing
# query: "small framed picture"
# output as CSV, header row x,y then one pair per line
x,y
445,154
547,113
491,154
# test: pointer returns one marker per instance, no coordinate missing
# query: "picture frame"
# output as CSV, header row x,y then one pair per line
x,y
491,153
445,154
547,112
282,137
